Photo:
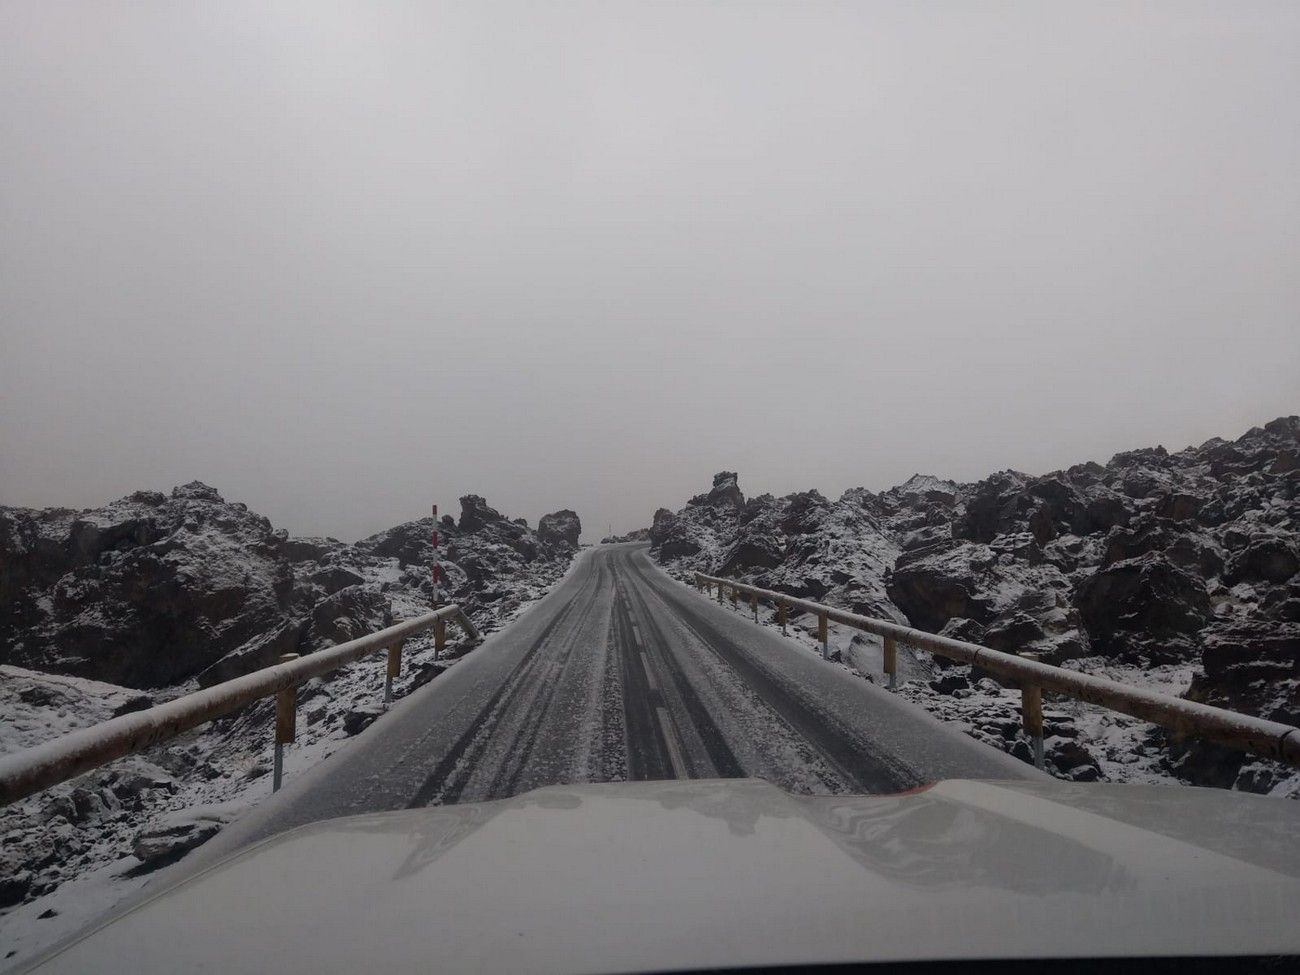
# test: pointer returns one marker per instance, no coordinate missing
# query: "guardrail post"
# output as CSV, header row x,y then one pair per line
x,y
781,613
823,634
394,670
467,626
891,661
286,725
439,637
719,594
753,604
1031,713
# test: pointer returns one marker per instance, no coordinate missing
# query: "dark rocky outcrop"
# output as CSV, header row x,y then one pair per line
x,y
1247,665
1269,558
411,542
476,514
726,491
933,587
153,590
144,592
1152,558
636,535
670,536
1148,597
560,529
751,553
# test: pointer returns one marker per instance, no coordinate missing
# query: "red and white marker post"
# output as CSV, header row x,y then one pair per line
x,y
437,565
440,627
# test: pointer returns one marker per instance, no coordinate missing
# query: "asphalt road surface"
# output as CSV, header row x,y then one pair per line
x,y
623,673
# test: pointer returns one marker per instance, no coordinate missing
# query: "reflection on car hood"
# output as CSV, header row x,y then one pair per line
x,y
663,875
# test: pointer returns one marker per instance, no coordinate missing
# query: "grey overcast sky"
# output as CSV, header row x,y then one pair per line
x,y
342,260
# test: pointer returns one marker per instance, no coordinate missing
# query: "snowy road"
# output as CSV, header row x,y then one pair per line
x,y
622,673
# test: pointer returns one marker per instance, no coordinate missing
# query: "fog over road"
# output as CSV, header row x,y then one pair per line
x,y
623,673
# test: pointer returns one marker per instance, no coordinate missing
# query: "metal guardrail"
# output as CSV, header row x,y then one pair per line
x,y
41,766
1271,739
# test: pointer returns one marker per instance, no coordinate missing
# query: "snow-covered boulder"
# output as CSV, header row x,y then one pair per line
x,y
560,529
176,834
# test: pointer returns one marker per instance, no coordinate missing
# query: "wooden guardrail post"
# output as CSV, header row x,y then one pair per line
x,y
891,661
439,638
735,596
1031,714
823,634
719,593
394,670
782,613
753,604
286,725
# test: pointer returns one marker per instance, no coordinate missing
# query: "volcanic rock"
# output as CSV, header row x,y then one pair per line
x,y
175,836
153,589
726,491
1152,558
670,537
560,529
1266,558
1148,595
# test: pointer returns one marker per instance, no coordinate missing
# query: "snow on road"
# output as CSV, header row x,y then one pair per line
x,y
82,832
618,673
574,690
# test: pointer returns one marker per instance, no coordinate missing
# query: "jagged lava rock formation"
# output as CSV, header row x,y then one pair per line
x,y
154,590
111,610
1151,560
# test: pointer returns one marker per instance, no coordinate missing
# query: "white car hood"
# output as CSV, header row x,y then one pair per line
x,y
679,875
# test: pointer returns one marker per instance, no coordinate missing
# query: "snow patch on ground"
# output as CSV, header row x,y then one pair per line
x,y
71,846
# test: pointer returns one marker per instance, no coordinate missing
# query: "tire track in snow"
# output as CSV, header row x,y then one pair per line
x,y
708,753
448,780
850,754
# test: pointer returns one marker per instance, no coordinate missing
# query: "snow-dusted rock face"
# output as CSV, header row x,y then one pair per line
x,y
169,592
143,592
151,590
636,535
1187,563
560,529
